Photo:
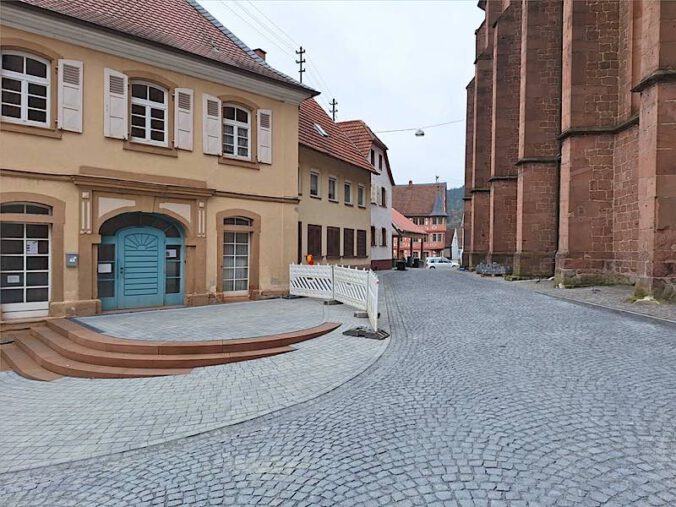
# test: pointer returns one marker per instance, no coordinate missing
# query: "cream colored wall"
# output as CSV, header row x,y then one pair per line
x,y
278,240
25,152
91,148
336,214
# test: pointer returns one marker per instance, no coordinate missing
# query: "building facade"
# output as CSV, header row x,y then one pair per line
x,y
143,163
375,151
570,154
334,217
425,205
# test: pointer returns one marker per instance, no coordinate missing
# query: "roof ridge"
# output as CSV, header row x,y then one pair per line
x,y
224,30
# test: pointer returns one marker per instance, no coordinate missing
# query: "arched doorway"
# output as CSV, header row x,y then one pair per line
x,y
140,261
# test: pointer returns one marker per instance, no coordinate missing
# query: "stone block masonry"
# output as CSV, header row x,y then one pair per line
x,y
571,163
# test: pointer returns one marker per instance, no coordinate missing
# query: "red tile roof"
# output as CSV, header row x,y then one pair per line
x,y
180,24
363,138
418,199
404,225
336,145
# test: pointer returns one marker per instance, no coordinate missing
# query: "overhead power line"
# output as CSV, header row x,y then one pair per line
x,y
418,128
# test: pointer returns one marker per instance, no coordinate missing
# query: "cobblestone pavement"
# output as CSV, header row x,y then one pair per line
x,y
486,395
244,320
72,419
618,297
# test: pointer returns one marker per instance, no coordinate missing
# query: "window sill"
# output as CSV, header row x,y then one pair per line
x,y
6,126
349,204
149,148
333,200
362,206
316,197
246,164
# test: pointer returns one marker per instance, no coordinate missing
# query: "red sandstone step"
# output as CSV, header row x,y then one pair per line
x,y
91,339
73,350
51,360
22,364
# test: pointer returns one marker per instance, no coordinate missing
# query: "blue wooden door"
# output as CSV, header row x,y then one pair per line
x,y
140,280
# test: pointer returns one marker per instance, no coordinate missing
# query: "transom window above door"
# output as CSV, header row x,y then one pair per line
x,y
25,89
148,113
236,132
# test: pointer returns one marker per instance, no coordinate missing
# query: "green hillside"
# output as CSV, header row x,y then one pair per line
x,y
454,206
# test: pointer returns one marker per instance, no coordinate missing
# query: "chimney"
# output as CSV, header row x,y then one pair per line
x,y
410,182
260,53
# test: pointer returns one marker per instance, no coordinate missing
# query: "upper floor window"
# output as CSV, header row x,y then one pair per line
x,y
314,184
236,132
25,89
380,162
361,191
149,113
373,158
332,189
383,197
348,192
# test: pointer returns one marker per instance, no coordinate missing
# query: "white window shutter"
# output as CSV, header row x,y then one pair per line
x,y
69,105
265,136
211,125
115,122
183,118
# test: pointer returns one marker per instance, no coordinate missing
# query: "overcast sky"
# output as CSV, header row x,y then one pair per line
x,y
392,64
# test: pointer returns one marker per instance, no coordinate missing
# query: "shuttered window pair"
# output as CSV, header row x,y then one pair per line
x,y
227,130
149,112
26,91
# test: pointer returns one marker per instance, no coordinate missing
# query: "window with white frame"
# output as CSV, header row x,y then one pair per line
x,y
149,113
332,189
236,132
25,88
314,184
361,195
348,192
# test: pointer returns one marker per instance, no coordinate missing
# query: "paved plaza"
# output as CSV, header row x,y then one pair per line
x,y
487,394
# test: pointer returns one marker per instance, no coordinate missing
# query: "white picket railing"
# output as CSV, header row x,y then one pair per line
x,y
372,300
311,281
354,287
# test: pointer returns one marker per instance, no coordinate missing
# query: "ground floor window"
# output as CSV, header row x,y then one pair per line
x,y
348,242
24,268
314,240
236,261
361,243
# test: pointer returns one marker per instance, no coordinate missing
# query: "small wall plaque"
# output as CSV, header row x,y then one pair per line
x,y
71,260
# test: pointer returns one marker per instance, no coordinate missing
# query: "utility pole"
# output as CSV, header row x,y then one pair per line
x,y
301,70
334,103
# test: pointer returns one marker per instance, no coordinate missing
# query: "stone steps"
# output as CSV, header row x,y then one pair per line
x,y
66,348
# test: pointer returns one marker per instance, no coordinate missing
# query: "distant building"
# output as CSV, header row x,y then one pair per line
x,y
425,205
334,182
375,151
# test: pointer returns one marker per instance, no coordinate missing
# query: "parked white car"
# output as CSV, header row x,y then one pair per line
x,y
440,263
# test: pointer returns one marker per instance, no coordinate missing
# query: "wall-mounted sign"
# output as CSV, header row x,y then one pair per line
x,y
172,253
71,260
105,268
31,247
13,279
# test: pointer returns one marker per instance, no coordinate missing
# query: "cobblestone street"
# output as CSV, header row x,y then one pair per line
x,y
486,395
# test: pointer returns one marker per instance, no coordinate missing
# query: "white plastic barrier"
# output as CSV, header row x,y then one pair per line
x,y
354,287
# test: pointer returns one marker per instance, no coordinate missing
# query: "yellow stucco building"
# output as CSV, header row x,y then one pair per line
x,y
334,216
146,159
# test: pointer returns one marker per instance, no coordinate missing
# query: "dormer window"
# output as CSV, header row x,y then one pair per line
x,y
25,89
320,130
148,113
236,132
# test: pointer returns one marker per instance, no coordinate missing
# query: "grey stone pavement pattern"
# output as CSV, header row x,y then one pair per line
x,y
244,320
72,419
486,395
618,297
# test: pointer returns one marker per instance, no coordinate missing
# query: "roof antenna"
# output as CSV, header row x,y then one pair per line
x,y
437,179
333,104
301,70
